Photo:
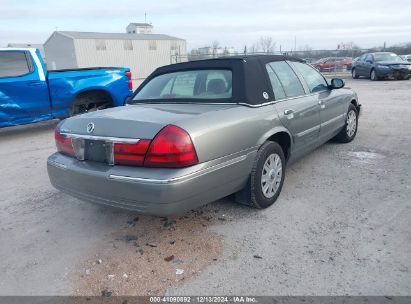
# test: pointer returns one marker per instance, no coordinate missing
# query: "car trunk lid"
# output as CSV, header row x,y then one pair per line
x,y
141,121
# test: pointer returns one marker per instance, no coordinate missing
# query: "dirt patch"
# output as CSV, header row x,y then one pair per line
x,y
150,254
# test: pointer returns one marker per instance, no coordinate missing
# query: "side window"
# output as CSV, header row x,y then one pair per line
x,y
13,64
275,84
314,80
289,80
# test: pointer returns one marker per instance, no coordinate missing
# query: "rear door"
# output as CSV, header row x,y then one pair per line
x,y
332,112
298,112
23,92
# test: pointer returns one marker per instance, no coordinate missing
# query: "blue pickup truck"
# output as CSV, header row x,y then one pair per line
x,y
29,93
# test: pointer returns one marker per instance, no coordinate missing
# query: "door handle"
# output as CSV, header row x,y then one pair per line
x,y
321,103
288,112
34,83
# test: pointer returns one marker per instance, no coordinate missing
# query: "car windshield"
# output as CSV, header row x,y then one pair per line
x,y
387,57
190,85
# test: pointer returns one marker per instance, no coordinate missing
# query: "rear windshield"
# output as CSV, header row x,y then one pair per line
x,y
192,84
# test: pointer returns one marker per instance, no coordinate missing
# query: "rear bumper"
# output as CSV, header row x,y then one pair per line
x,y
149,190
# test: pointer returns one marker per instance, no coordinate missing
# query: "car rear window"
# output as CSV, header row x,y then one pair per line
x,y
192,84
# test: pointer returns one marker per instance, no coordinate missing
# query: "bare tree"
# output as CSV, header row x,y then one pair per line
x,y
307,50
267,44
254,48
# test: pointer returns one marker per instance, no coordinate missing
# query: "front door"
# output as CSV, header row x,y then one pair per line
x,y
23,93
329,101
367,65
359,66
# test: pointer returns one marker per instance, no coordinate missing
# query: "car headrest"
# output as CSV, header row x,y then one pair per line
x,y
216,86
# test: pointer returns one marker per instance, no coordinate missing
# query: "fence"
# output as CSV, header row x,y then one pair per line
x,y
340,66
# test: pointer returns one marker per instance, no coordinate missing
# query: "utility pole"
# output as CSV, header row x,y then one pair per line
x,y
145,17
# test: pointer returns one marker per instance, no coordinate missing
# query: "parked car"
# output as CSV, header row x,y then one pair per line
x,y
381,65
333,63
406,57
309,60
198,131
29,93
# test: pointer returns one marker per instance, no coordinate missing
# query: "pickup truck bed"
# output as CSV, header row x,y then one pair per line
x,y
29,93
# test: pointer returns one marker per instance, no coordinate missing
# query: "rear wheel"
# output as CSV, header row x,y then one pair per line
x,y
349,130
267,176
354,74
90,102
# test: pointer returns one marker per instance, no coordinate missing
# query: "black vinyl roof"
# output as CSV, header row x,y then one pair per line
x,y
249,74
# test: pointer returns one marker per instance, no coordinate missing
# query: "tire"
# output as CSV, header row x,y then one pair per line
x,y
373,75
347,133
89,104
354,74
270,155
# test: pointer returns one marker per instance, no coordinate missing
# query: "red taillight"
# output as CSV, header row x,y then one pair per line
x,y
130,82
63,144
131,154
171,148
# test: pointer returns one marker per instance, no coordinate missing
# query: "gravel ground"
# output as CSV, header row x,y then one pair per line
x,y
341,225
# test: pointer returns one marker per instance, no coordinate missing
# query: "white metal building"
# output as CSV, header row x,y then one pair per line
x,y
142,53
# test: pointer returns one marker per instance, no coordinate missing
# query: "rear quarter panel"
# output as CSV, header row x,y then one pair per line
x,y
232,130
65,86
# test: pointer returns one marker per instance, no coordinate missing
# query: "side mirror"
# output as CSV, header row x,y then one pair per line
x,y
337,83
369,61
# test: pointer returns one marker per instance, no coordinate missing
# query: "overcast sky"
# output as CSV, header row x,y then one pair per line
x,y
318,23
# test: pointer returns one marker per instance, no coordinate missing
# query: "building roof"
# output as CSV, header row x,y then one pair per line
x,y
115,36
26,45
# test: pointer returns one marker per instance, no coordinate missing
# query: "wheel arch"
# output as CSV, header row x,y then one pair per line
x,y
93,97
93,92
356,105
282,136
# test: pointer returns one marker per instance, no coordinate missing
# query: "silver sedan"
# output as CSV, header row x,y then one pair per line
x,y
198,131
